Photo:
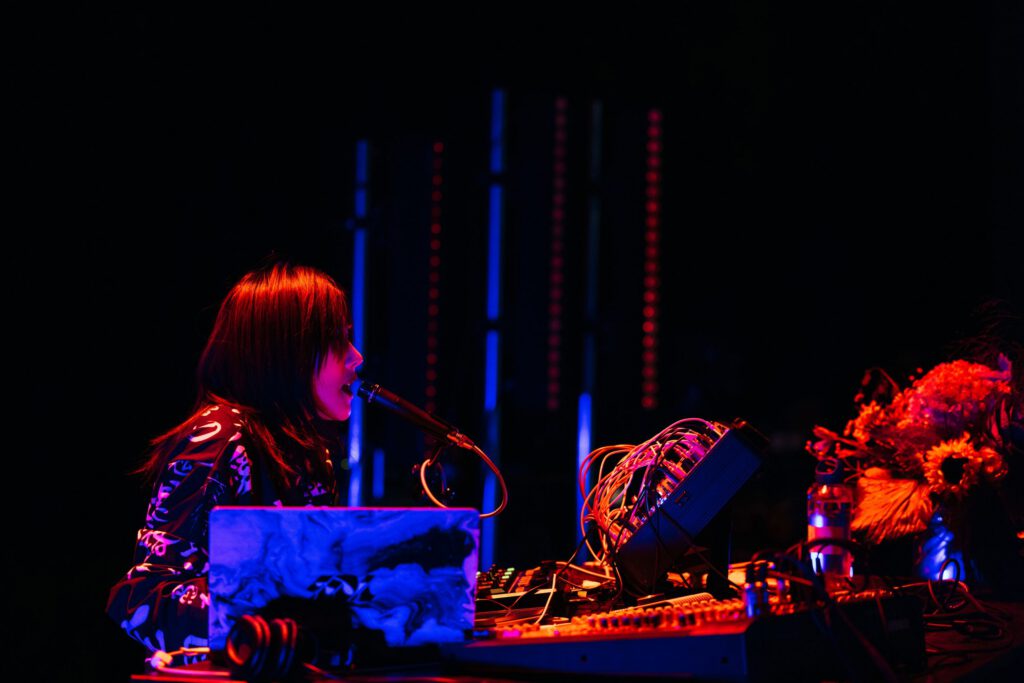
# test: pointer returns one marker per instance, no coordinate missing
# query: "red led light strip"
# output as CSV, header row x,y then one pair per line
x,y
434,275
556,267
652,276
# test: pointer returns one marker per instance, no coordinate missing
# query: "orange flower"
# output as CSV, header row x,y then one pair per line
x,y
870,418
952,467
954,396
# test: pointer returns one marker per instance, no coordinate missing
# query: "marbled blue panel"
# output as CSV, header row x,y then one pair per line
x,y
408,572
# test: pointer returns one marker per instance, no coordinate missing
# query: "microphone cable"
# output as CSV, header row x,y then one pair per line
x,y
483,456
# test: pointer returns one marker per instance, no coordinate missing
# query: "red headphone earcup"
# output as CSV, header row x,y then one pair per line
x,y
247,646
288,632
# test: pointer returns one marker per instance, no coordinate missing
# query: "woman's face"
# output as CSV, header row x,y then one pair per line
x,y
332,384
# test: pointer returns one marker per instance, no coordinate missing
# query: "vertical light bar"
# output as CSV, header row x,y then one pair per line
x,y
556,267
378,473
434,276
583,439
491,372
652,277
496,198
358,304
488,530
584,422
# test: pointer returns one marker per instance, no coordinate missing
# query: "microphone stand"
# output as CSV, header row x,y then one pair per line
x,y
446,495
442,431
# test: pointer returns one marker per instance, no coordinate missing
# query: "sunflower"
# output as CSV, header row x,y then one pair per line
x,y
952,467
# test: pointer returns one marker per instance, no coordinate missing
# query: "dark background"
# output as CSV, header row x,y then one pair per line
x,y
842,190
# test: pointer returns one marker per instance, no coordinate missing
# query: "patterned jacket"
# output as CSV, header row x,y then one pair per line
x,y
163,600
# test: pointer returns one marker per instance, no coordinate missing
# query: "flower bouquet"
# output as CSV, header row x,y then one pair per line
x,y
925,457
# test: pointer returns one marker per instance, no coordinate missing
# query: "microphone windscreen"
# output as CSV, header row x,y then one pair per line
x,y
363,389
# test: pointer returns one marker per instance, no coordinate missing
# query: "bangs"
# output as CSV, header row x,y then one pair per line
x,y
271,335
333,318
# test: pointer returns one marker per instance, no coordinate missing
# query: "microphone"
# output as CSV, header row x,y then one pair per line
x,y
435,426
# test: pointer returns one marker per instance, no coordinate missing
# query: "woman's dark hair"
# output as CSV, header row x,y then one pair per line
x,y
272,331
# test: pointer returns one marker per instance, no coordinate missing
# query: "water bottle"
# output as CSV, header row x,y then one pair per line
x,y
829,511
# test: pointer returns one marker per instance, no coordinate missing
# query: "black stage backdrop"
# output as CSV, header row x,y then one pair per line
x,y
841,189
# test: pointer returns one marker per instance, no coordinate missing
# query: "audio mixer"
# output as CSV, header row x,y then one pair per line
x,y
712,639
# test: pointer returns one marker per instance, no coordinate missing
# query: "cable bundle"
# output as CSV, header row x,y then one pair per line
x,y
644,477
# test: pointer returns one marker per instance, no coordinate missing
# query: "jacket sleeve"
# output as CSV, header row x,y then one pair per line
x,y
163,599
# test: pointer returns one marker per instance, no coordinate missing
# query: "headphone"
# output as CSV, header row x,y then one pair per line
x,y
260,651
